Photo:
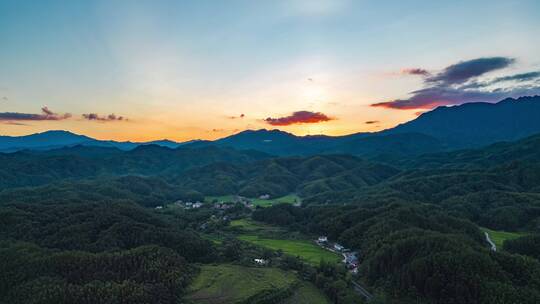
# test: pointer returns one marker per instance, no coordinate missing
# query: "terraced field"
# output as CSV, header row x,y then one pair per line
x,y
307,293
227,283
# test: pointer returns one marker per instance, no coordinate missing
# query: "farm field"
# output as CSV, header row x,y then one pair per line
x,y
306,250
227,283
251,227
498,237
307,293
287,199
274,238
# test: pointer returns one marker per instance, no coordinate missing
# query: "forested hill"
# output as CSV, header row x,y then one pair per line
x,y
82,223
281,176
497,186
33,168
419,253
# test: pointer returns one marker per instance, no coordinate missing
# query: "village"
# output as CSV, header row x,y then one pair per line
x,y
350,258
223,204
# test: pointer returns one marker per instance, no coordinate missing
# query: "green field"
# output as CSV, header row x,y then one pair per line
x,y
306,250
307,293
287,199
248,226
232,283
498,237
275,238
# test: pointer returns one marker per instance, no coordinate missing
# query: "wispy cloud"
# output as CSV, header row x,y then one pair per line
x,y
97,117
235,117
14,123
465,70
299,117
458,83
46,114
415,71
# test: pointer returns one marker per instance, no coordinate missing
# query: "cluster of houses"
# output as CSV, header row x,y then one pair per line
x,y
350,259
238,199
188,205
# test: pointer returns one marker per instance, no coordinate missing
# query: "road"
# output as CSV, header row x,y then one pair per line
x,y
362,291
357,287
493,247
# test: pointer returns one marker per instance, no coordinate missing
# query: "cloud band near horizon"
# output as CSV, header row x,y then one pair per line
x,y
459,83
46,114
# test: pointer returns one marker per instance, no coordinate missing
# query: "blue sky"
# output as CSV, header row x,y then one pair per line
x,y
190,69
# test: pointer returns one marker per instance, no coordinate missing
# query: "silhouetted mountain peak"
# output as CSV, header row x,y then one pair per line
x,y
479,123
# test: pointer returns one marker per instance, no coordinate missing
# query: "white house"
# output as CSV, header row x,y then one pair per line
x,y
260,261
322,239
197,205
264,196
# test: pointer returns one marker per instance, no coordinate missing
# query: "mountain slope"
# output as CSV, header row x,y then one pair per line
x,y
443,129
478,124
280,176
45,140
38,168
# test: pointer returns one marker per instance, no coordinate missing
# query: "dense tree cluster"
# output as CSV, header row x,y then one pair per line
x,y
281,176
97,227
34,168
80,250
148,274
526,245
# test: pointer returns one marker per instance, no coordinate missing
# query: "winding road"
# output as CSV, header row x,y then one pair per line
x,y
493,246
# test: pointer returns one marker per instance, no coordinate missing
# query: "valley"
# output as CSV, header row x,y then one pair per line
x,y
214,224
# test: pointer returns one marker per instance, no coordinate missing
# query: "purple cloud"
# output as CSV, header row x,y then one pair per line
x,y
415,71
300,117
465,70
458,84
97,117
45,114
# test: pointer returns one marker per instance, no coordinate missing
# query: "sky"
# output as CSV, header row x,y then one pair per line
x,y
146,70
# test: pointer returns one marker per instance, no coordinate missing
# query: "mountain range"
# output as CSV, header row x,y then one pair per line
x,y
442,129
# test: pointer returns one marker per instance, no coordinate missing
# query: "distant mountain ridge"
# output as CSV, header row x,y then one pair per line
x,y
445,128
56,139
